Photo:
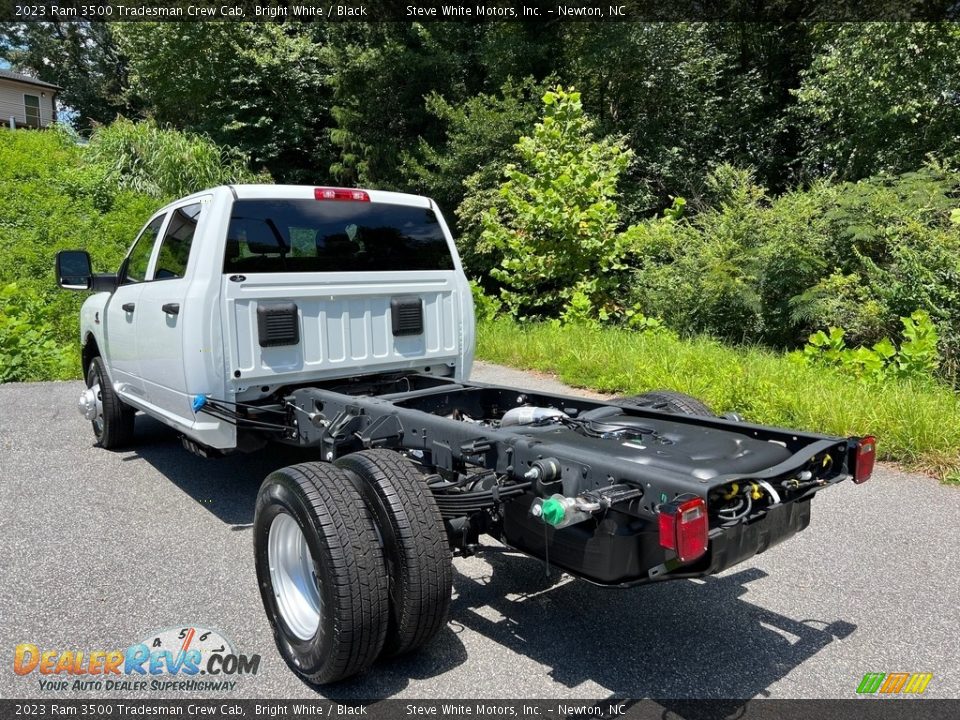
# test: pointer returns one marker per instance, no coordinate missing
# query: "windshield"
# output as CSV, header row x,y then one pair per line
x,y
267,236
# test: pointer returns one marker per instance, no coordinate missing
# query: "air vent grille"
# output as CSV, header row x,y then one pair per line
x,y
278,324
407,316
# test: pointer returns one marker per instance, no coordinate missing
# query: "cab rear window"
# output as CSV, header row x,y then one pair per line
x,y
271,236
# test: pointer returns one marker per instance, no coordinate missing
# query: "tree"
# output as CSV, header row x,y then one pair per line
x,y
558,237
688,97
381,75
481,134
81,57
878,97
260,87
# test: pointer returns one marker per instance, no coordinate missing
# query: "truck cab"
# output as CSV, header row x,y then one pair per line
x,y
237,291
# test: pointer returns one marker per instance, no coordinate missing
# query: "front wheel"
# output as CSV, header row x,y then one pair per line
x,y
111,418
321,572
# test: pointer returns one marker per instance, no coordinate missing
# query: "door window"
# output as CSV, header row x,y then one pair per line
x,y
135,266
31,109
177,241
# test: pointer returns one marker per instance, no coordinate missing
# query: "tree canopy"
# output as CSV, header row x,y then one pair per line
x,y
379,103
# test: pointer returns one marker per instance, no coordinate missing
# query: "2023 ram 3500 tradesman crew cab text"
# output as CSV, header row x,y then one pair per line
x,y
341,320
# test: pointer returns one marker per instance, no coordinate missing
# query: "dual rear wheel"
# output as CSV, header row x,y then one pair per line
x,y
352,562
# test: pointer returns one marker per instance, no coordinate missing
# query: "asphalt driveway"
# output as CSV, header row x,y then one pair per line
x,y
102,548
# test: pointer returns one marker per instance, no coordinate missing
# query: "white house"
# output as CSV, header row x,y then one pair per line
x,y
26,101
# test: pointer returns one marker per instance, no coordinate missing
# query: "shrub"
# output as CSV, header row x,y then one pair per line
x,y
28,350
558,235
485,307
853,255
164,163
52,199
56,194
704,274
916,358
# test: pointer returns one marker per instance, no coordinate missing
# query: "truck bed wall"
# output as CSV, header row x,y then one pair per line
x,y
344,323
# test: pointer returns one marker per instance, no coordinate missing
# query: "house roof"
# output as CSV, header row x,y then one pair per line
x,y
10,75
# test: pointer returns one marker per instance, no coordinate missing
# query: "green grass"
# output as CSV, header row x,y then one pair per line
x,y
916,424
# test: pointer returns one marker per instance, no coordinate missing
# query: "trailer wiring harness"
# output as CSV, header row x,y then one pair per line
x,y
239,414
737,501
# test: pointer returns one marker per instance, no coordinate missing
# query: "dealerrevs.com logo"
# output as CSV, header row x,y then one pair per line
x,y
184,659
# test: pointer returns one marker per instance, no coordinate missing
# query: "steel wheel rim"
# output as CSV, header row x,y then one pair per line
x,y
98,420
292,577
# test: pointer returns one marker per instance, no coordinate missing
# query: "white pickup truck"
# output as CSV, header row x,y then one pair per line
x,y
341,320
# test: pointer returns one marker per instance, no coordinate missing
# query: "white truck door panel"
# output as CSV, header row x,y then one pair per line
x,y
122,311
160,346
120,334
162,314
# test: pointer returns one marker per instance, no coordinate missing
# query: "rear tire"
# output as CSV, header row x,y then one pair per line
x,y
113,425
415,543
667,401
321,572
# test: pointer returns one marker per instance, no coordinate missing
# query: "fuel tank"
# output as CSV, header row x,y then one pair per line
x,y
660,443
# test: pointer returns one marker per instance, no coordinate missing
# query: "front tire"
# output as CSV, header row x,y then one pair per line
x,y
415,542
321,572
114,420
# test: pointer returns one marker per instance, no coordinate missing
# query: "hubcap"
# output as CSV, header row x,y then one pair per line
x,y
89,401
293,578
91,406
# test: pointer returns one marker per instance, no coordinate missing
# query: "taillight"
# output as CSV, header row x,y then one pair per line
x,y
684,528
864,459
341,194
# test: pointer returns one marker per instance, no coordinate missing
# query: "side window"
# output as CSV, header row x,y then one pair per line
x,y
139,257
31,109
176,243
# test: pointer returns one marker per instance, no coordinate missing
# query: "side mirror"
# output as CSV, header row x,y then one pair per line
x,y
73,270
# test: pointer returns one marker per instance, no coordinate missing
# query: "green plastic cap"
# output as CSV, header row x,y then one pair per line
x,y
553,511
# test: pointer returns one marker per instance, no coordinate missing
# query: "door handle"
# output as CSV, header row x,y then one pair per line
x,y
171,308
128,307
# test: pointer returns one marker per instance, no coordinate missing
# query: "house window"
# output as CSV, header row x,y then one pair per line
x,y
31,106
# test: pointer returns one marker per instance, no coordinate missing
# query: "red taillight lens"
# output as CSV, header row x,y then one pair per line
x,y
864,459
684,528
341,194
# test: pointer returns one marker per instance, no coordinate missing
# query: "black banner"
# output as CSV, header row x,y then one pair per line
x,y
609,709
492,10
